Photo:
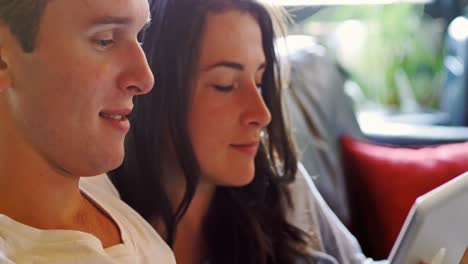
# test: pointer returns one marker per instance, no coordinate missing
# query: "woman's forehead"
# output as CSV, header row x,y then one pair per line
x,y
231,36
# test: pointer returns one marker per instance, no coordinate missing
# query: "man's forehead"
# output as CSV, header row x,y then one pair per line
x,y
89,15
105,8
118,7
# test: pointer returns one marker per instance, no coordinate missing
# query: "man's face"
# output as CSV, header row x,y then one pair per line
x,y
67,98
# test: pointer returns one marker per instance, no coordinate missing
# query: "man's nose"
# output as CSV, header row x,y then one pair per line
x,y
138,78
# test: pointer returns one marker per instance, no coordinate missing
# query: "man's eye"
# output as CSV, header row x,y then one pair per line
x,y
104,43
224,89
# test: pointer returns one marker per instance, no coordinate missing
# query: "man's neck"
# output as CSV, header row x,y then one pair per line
x,y
32,191
36,192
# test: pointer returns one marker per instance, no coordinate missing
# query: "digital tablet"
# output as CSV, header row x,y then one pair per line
x,y
438,220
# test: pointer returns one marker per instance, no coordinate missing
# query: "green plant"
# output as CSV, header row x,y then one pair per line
x,y
401,43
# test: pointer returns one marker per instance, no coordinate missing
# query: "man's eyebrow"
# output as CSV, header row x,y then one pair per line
x,y
232,65
110,20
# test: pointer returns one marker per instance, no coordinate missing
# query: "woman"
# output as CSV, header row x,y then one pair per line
x,y
209,161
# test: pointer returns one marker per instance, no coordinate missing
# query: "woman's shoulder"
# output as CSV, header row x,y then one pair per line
x,y
304,212
303,192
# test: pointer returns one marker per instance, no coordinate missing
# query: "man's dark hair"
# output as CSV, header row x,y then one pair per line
x,y
23,18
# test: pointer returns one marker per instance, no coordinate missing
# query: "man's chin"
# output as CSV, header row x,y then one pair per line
x,y
102,166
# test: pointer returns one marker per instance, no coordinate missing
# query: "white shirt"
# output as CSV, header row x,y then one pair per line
x,y
20,243
331,243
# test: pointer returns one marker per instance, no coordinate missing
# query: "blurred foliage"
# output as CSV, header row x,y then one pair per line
x,y
400,39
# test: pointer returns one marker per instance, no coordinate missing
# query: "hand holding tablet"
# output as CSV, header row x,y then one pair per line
x,y
436,228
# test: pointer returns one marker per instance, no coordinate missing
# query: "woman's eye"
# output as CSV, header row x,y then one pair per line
x,y
259,87
224,89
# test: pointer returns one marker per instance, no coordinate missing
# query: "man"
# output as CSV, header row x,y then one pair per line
x,y
68,72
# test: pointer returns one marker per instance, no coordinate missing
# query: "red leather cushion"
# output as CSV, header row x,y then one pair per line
x,y
385,181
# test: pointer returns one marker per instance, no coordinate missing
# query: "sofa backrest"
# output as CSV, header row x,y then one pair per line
x,y
320,112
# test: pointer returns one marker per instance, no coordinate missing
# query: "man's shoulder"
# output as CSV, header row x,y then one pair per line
x,y
100,182
144,237
20,243
3,258
105,198
3,250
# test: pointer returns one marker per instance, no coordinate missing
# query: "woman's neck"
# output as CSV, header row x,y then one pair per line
x,y
189,244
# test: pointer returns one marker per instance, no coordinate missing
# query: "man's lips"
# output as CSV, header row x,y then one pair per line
x,y
117,118
116,114
250,148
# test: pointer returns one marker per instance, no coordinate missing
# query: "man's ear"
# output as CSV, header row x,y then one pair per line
x,y
5,78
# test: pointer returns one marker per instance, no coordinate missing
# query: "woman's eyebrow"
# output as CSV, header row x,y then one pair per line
x,y
232,65
262,67
226,64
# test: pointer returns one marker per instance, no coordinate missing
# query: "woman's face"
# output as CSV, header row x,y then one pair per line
x,y
227,111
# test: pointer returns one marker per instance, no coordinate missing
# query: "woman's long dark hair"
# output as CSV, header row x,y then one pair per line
x,y
244,224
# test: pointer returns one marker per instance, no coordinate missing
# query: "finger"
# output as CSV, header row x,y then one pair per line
x,y
439,257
